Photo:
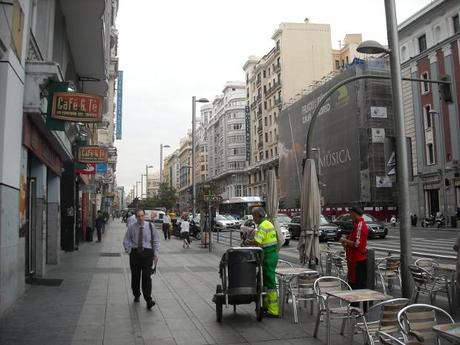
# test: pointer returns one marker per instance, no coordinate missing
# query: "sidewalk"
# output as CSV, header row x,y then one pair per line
x,y
94,304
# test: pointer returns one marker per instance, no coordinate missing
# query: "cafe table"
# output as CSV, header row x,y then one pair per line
x,y
285,276
449,331
357,296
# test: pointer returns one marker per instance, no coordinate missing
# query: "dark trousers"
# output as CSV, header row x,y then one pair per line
x,y
166,231
361,280
141,263
99,233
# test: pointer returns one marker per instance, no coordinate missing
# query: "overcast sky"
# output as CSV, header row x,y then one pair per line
x,y
171,50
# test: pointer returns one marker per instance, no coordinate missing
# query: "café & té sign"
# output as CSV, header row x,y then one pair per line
x,y
76,107
92,154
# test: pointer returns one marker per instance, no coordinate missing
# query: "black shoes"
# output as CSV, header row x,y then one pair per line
x,y
150,304
136,299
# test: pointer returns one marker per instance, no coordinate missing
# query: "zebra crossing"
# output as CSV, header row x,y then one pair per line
x,y
441,248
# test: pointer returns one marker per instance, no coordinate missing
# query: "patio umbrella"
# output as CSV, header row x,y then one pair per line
x,y
272,199
310,205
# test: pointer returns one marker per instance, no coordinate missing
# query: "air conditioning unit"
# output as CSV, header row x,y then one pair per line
x,y
3,48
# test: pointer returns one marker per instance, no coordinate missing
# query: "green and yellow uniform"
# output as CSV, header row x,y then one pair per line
x,y
266,238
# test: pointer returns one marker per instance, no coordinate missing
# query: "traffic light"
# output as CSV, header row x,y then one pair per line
x,y
445,90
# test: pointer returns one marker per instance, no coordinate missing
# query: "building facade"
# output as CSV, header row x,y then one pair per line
x,y
46,46
185,173
430,48
201,144
302,54
153,185
227,141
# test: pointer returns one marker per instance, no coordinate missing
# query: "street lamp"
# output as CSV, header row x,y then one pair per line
x,y
194,102
440,127
372,47
147,180
161,160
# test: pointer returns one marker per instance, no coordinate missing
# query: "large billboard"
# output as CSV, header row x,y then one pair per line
x,y
342,143
119,104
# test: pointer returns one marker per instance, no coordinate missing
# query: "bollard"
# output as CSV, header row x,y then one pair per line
x,y
231,238
370,269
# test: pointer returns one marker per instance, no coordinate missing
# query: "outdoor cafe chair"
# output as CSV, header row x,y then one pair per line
x,y
417,320
331,307
387,339
301,289
388,269
283,263
340,266
427,264
426,282
382,317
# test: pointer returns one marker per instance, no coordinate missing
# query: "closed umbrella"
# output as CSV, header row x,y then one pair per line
x,y
310,205
272,199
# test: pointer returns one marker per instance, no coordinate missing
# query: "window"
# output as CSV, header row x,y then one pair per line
x,y
266,137
266,154
428,117
337,64
429,154
276,150
425,84
265,105
422,43
456,24
265,74
270,120
266,121
271,153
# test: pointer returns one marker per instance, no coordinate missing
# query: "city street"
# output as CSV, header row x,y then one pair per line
x,y
93,304
427,241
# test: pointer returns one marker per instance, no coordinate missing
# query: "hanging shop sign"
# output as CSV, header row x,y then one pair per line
x,y
92,154
85,168
76,107
101,168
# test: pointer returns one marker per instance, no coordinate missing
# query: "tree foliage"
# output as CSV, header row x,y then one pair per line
x,y
166,198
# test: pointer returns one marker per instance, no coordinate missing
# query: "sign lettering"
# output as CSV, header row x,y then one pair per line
x,y
92,154
76,107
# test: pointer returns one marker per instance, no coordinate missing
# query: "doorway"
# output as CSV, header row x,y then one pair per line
x,y
31,233
432,201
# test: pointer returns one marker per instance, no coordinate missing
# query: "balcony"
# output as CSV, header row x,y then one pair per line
x,y
277,68
259,130
253,105
276,86
260,145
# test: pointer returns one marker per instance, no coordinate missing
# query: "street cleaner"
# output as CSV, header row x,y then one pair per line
x,y
265,237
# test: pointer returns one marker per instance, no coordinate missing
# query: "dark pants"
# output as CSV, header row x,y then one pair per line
x,y
99,233
166,231
141,263
361,280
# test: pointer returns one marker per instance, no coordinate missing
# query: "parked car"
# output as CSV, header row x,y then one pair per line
x,y
327,231
222,223
236,222
376,228
250,225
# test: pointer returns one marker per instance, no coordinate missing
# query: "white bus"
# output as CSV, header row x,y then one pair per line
x,y
238,207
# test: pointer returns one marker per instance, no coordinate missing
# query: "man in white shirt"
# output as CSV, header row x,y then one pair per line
x,y
142,242
185,232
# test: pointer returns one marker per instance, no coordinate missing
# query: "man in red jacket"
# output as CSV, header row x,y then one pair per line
x,y
355,246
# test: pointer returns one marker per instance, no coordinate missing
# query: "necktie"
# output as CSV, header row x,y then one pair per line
x,y
140,239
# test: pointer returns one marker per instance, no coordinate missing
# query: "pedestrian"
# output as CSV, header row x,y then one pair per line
x,y
165,226
142,242
355,245
99,225
185,232
131,220
265,236
393,220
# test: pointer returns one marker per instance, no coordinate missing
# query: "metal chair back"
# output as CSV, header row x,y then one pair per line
x,y
326,284
417,321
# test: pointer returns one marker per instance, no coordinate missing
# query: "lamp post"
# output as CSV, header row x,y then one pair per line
x,y
194,102
372,47
440,126
161,160
147,180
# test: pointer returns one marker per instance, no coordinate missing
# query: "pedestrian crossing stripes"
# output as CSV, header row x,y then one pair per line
x,y
420,246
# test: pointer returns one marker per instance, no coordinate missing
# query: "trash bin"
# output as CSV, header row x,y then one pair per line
x,y
242,267
453,221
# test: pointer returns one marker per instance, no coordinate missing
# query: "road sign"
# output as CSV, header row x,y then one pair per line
x,y
213,198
